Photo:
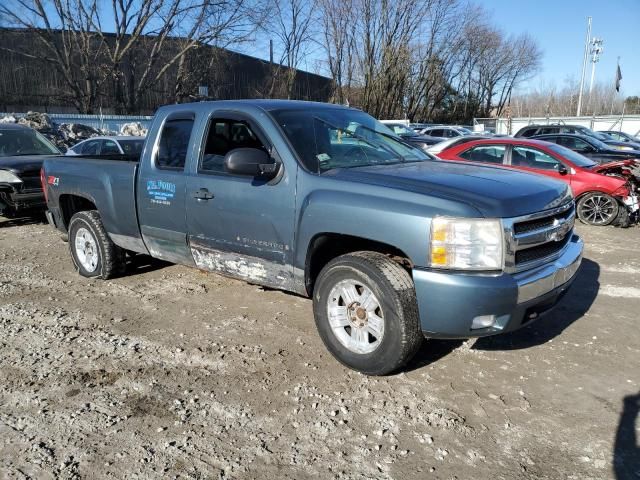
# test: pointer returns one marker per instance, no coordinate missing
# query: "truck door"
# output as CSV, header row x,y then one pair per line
x,y
241,226
161,189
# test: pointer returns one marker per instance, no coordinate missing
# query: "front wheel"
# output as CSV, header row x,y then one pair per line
x,y
366,312
597,209
92,251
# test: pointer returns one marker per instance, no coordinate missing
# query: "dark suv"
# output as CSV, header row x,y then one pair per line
x,y
553,129
601,152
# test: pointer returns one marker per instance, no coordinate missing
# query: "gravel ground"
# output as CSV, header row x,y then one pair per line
x,y
171,372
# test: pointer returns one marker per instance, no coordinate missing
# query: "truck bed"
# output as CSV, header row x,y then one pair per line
x,y
109,183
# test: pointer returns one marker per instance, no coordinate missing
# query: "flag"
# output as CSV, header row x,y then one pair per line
x,y
618,78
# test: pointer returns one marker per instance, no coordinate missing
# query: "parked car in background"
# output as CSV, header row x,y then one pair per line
x,y
531,131
417,127
22,151
450,142
410,136
130,146
590,147
603,193
446,131
378,233
622,137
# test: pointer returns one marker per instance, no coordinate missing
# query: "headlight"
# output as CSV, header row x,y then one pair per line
x,y
8,177
466,244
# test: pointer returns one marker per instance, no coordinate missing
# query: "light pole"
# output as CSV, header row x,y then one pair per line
x,y
596,50
584,65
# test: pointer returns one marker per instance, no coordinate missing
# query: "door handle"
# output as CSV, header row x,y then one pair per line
x,y
203,194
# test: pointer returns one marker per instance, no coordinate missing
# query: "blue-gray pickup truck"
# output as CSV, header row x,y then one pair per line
x,y
392,244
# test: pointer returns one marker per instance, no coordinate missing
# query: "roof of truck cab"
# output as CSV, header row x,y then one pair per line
x,y
13,126
264,104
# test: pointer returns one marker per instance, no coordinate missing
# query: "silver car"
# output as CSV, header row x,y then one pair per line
x,y
108,146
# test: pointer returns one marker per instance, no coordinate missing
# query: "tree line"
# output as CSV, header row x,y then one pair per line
x,y
426,60
550,100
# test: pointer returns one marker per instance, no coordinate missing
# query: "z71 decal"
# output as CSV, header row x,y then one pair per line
x,y
161,193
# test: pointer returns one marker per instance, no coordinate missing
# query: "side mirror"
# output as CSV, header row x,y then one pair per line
x,y
562,170
251,162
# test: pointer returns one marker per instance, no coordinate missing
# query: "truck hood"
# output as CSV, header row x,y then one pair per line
x,y
495,192
26,164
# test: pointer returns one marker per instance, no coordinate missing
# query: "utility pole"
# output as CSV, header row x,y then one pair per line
x,y
584,65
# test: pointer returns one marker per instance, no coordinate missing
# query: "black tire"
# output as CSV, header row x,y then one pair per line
x,y
394,289
111,258
597,208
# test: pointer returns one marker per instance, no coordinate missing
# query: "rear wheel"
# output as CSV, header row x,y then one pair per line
x,y
597,209
366,312
92,251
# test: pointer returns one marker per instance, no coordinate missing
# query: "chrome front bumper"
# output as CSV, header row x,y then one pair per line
x,y
539,281
448,302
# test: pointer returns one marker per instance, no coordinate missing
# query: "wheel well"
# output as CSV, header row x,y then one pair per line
x,y
72,204
325,247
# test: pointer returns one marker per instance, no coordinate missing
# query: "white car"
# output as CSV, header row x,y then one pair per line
x,y
446,131
439,147
108,146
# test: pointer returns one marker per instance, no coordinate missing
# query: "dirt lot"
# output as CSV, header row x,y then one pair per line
x,y
171,372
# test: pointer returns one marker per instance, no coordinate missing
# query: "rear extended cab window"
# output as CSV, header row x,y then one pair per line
x,y
174,142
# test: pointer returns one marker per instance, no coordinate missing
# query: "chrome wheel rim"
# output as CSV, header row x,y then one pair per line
x,y
355,316
597,209
86,249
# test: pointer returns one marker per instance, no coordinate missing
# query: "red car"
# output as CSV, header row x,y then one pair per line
x,y
603,192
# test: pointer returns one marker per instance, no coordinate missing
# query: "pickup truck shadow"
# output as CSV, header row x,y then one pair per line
x,y
572,307
626,449
431,351
35,219
138,264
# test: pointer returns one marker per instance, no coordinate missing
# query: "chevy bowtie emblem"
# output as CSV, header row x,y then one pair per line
x,y
561,229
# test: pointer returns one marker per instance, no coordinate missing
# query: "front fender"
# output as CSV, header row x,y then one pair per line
x,y
401,223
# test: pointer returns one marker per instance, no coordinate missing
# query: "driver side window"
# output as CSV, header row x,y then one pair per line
x,y
224,135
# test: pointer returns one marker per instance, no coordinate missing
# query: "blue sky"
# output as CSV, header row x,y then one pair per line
x,y
560,27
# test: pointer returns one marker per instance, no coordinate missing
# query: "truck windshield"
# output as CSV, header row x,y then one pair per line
x,y
326,138
24,142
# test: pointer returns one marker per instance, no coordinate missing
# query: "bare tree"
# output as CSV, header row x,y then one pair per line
x,y
68,43
147,41
154,36
338,42
291,25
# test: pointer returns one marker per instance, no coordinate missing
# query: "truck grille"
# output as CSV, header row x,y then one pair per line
x,y
541,251
545,222
535,239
